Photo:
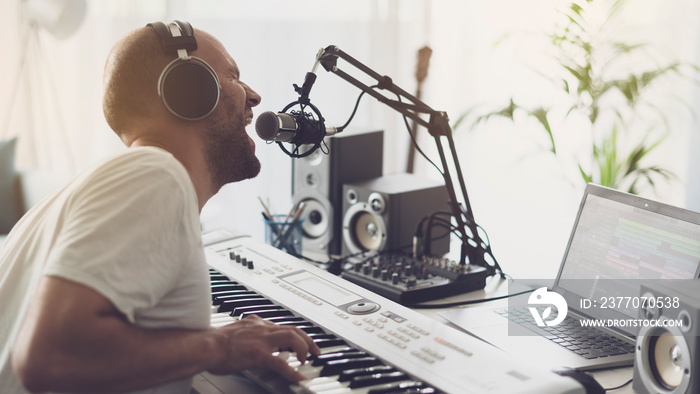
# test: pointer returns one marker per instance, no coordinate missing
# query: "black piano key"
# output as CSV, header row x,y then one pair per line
x,y
299,324
352,373
230,305
222,281
375,379
286,319
263,313
322,359
329,342
219,298
215,277
217,288
404,388
312,329
322,336
305,326
238,311
335,367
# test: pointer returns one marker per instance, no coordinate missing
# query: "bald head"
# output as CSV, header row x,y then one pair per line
x,y
130,80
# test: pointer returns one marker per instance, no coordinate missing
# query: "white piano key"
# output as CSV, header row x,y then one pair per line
x,y
341,390
328,386
319,381
309,371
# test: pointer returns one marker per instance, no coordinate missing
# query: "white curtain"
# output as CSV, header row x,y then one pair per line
x,y
519,195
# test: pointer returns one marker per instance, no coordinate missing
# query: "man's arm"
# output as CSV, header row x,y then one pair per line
x,y
74,339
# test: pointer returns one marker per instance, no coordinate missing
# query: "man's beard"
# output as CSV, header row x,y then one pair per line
x,y
230,155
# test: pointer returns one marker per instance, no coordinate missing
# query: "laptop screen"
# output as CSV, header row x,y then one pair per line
x,y
618,241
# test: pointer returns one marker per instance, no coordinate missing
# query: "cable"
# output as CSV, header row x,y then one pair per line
x,y
415,143
354,110
470,302
618,387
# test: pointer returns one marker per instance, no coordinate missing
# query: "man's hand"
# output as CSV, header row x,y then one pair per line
x,y
249,343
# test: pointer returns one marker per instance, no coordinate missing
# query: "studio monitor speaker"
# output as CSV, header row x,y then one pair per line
x,y
667,359
318,181
381,214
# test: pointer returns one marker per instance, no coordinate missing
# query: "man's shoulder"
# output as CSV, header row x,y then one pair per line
x,y
141,162
134,170
141,155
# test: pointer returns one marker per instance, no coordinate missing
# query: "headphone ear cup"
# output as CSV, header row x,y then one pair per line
x,y
189,89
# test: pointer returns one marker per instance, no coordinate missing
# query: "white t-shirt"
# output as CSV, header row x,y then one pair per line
x,y
128,228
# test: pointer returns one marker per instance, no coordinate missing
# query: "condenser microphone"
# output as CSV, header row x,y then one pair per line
x,y
293,128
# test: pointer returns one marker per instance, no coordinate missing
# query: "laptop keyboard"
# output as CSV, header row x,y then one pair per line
x,y
587,342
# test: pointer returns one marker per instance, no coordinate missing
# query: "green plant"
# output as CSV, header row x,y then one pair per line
x,y
598,82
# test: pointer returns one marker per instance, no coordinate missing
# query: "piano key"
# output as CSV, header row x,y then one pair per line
x,y
219,316
321,359
221,281
336,349
335,367
348,375
230,305
377,379
316,335
306,327
219,298
265,313
238,311
329,342
220,319
285,319
219,287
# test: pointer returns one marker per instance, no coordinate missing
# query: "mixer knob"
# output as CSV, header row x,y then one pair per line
x,y
385,275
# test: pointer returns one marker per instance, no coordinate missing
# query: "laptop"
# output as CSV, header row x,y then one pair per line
x,y
618,241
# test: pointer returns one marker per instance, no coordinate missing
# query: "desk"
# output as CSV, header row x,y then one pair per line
x,y
495,287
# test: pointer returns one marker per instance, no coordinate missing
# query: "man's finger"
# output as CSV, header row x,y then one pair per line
x,y
281,367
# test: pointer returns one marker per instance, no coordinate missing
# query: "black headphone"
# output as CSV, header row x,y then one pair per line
x,y
188,85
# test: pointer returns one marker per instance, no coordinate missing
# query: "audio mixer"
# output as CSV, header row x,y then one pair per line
x,y
409,280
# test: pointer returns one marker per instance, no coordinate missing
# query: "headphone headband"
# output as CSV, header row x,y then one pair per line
x,y
185,40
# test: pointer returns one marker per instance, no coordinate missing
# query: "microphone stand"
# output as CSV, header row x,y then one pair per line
x,y
473,248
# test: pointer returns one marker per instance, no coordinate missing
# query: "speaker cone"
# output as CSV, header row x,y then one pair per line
x,y
367,231
666,360
316,219
363,230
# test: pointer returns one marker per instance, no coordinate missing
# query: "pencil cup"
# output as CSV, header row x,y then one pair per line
x,y
285,236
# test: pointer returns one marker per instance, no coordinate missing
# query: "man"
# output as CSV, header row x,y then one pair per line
x,y
104,285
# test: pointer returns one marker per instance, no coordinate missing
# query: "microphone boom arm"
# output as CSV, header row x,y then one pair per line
x,y
473,247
